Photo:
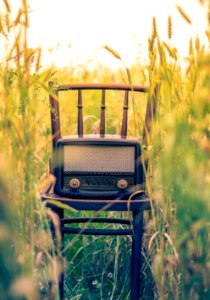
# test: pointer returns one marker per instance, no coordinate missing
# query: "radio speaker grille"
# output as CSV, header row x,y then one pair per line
x,y
99,159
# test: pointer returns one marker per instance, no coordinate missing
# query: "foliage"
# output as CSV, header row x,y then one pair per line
x,y
181,171
176,239
28,235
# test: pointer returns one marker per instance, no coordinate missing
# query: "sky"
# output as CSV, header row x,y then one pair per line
x,y
73,32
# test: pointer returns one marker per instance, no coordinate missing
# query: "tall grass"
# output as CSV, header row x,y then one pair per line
x,y
176,243
181,172
20,117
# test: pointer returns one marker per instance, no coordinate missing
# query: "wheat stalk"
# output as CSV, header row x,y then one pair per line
x,y
113,52
208,17
191,52
169,27
197,44
154,28
184,15
7,5
171,53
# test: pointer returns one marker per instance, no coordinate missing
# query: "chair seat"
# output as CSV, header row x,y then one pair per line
x,y
142,202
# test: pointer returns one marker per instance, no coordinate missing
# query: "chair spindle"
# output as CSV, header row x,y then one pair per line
x,y
125,116
102,122
80,117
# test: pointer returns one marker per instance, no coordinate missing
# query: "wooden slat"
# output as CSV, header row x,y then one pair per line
x,y
55,119
99,86
125,116
102,122
142,203
80,117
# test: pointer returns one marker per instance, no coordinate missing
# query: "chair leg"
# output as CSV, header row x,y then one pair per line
x,y
60,214
136,254
135,258
61,278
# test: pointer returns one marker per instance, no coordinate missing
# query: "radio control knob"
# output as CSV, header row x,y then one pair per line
x,y
74,183
122,184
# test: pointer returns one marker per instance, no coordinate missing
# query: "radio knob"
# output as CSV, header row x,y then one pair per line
x,y
122,184
74,183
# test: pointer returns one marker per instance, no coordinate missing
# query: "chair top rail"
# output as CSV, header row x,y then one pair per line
x,y
101,86
126,88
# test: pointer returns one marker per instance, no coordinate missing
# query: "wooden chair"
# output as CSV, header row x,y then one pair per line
x,y
136,202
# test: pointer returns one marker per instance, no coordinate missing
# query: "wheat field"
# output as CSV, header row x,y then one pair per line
x,y
176,257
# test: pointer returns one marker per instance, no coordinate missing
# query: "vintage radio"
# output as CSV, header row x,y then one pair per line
x,y
95,167
107,168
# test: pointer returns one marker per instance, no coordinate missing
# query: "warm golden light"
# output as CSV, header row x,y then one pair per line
x,y
74,32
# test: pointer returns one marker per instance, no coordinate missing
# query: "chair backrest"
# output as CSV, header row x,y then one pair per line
x,y
68,183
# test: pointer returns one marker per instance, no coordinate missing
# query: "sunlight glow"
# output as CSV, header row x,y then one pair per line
x,y
74,32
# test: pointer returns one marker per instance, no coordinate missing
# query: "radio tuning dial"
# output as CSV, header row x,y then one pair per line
x,y
122,184
74,183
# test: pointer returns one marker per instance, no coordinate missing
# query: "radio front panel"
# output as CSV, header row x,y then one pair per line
x,y
92,168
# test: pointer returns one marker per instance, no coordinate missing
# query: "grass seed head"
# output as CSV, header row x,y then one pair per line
x,y
197,44
169,27
154,28
113,52
208,16
184,15
7,5
191,52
